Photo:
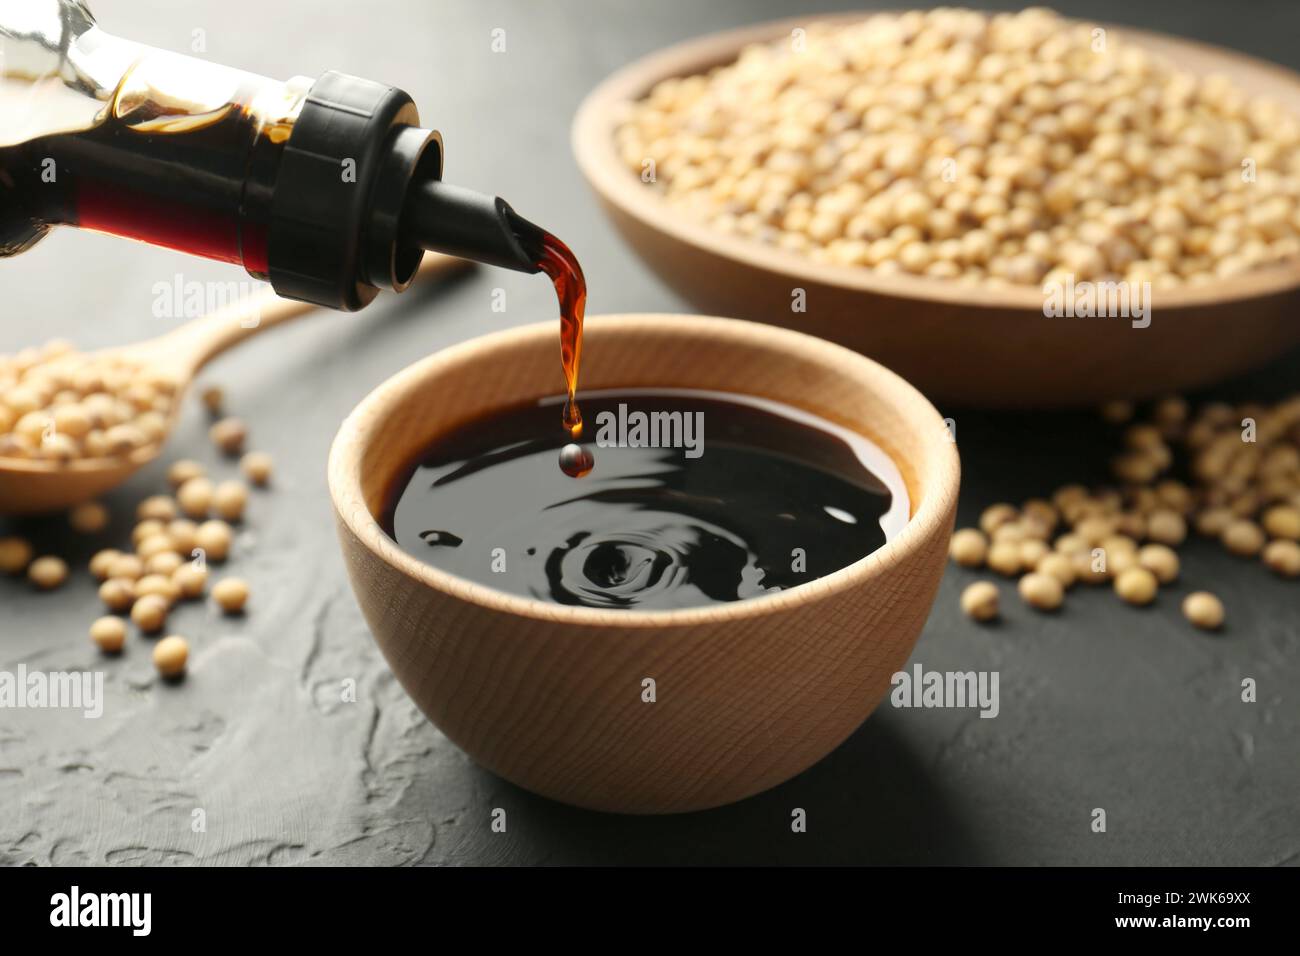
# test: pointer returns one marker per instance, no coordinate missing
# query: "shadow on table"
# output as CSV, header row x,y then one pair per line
x,y
1014,455
873,801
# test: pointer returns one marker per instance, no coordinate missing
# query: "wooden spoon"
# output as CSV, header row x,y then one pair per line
x,y
32,486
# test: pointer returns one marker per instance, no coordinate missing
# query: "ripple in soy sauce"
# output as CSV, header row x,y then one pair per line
x,y
776,498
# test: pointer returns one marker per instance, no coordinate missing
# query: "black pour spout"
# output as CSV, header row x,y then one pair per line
x,y
460,222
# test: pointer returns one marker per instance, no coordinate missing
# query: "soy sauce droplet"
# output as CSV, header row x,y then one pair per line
x,y
573,419
576,461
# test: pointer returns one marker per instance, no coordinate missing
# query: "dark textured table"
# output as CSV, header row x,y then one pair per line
x,y
1101,706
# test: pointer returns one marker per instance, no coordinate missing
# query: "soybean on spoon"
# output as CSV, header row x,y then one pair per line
x,y
34,486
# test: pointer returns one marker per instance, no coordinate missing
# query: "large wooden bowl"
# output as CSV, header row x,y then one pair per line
x,y
549,696
983,347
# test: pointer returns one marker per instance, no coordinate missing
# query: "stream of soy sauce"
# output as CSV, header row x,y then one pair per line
x,y
560,264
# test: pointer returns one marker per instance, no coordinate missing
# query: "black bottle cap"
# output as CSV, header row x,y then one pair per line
x,y
344,174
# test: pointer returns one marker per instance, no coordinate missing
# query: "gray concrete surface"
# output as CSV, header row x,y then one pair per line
x,y
1101,707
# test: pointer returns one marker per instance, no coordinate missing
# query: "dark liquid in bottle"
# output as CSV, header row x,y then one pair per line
x,y
155,166
775,498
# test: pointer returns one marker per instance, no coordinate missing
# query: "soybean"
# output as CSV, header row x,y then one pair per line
x,y
170,655
1042,591
1204,610
969,548
231,594
980,601
48,572
1137,586
15,555
109,634
149,613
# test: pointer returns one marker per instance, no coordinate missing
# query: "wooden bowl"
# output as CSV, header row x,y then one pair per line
x,y
988,347
549,696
